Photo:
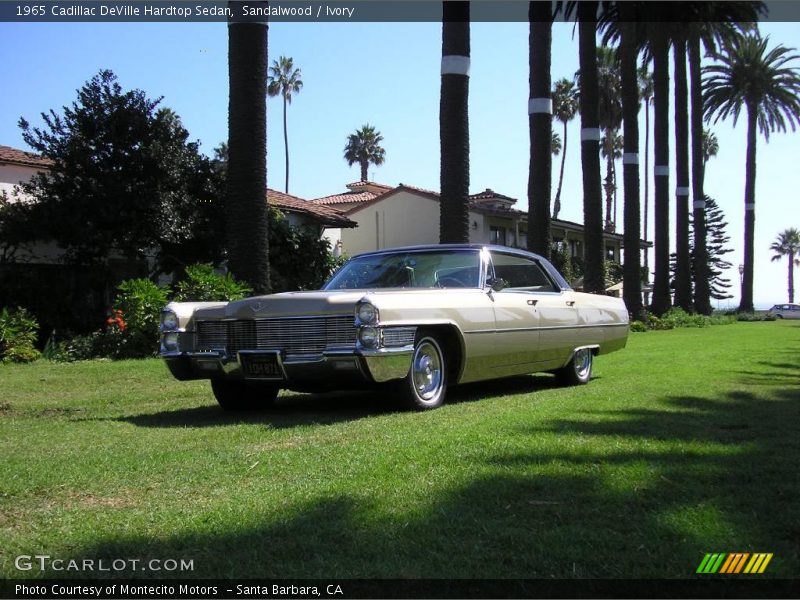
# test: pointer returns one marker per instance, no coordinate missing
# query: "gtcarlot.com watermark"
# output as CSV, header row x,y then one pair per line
x,y
45,563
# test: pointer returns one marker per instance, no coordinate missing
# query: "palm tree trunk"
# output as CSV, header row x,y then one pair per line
x,y
454,123
286,144
746,304
791,277
632,257
557,202
540,125
646,182
661,294
702,290
609,183
594,257
683,273
246,197
364,170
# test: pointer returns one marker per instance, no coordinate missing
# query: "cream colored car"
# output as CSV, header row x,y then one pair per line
x,y
415,319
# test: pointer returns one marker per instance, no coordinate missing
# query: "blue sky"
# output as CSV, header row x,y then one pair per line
x,y
385,74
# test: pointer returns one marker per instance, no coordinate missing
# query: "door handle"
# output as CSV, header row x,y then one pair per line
x,y
570,302
532,302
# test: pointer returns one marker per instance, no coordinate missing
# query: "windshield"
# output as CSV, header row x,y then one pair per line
x,y
421,269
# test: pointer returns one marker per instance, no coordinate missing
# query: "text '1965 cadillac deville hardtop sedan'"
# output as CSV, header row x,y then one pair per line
x,y
415,319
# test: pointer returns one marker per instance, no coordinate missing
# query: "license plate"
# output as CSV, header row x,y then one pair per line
x,y
261,366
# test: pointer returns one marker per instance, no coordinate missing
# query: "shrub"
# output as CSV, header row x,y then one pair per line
x,y
680,318
202,284
18,334
754,317
638,327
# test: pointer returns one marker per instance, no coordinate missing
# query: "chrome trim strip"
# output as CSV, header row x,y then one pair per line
x,y
548,328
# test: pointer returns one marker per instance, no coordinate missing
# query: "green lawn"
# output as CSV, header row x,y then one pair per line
x,y
684,443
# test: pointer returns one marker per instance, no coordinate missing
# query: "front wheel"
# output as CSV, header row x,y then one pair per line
x,y
244,395
426,383
579,369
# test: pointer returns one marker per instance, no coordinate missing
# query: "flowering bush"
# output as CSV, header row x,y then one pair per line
x,y
18,333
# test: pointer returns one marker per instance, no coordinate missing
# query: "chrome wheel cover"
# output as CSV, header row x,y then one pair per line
x,y
426,371
582,362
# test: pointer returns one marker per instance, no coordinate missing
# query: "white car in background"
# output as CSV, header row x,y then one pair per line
x,y
785,311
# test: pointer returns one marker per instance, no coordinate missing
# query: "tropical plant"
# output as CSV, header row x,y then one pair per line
x,y
246,206
454,123
364,147
610,116
683,272
18,334
759,79
540,127
555,144
787,245
710,146
590,148
284,79
629,86
565,108
707,24
645,80
202,283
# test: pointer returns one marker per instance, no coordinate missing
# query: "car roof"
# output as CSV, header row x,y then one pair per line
x,y
432,247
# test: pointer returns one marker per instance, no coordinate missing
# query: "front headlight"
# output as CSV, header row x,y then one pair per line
x,y
369,337
366,313
169,342
169,321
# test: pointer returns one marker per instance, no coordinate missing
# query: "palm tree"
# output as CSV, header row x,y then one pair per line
x,y
659,44
285,80
710,146
707,24
788,244
245,202
616,146
594,256
645,79
683,269
555,144
629,86
454,124
610,115
540,126
363,147
565,107
752,76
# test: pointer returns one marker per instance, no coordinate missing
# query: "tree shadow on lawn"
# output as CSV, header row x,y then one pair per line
x,y
294,410
781,373
628,493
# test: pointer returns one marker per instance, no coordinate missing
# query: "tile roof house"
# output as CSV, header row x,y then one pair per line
x,y
18,166
407,215
304,212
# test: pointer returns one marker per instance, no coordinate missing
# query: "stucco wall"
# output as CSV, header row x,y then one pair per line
x,y
12,175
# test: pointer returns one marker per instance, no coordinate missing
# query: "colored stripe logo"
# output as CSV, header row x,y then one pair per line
x,y
734,563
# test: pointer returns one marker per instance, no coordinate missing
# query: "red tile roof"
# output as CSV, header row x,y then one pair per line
x,y
346,198
324,214
358,184
20,157
490,194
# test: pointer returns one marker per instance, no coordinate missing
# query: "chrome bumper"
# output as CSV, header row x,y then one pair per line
x,y
334,366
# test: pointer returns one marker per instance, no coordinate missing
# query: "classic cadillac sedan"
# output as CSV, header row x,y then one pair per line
x,y
415,319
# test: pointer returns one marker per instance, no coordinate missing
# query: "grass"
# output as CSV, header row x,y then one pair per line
x,y
684,443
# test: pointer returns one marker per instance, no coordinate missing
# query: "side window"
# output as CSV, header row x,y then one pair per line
x,y
521,274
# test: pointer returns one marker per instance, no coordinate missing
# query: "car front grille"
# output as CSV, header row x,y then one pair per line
x,y
294,336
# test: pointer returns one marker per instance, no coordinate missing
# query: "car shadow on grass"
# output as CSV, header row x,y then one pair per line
x,y
295,410
639,492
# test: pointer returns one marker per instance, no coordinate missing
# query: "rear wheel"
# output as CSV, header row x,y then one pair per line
x,y
244,395
579,369
426,383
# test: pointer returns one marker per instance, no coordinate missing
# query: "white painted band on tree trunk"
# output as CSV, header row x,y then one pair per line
x,y
701,204
455,65
750,206
540,105
661,171
681,191
590,134
630,158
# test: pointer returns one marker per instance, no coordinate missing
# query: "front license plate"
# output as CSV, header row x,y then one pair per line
x,y
262,366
